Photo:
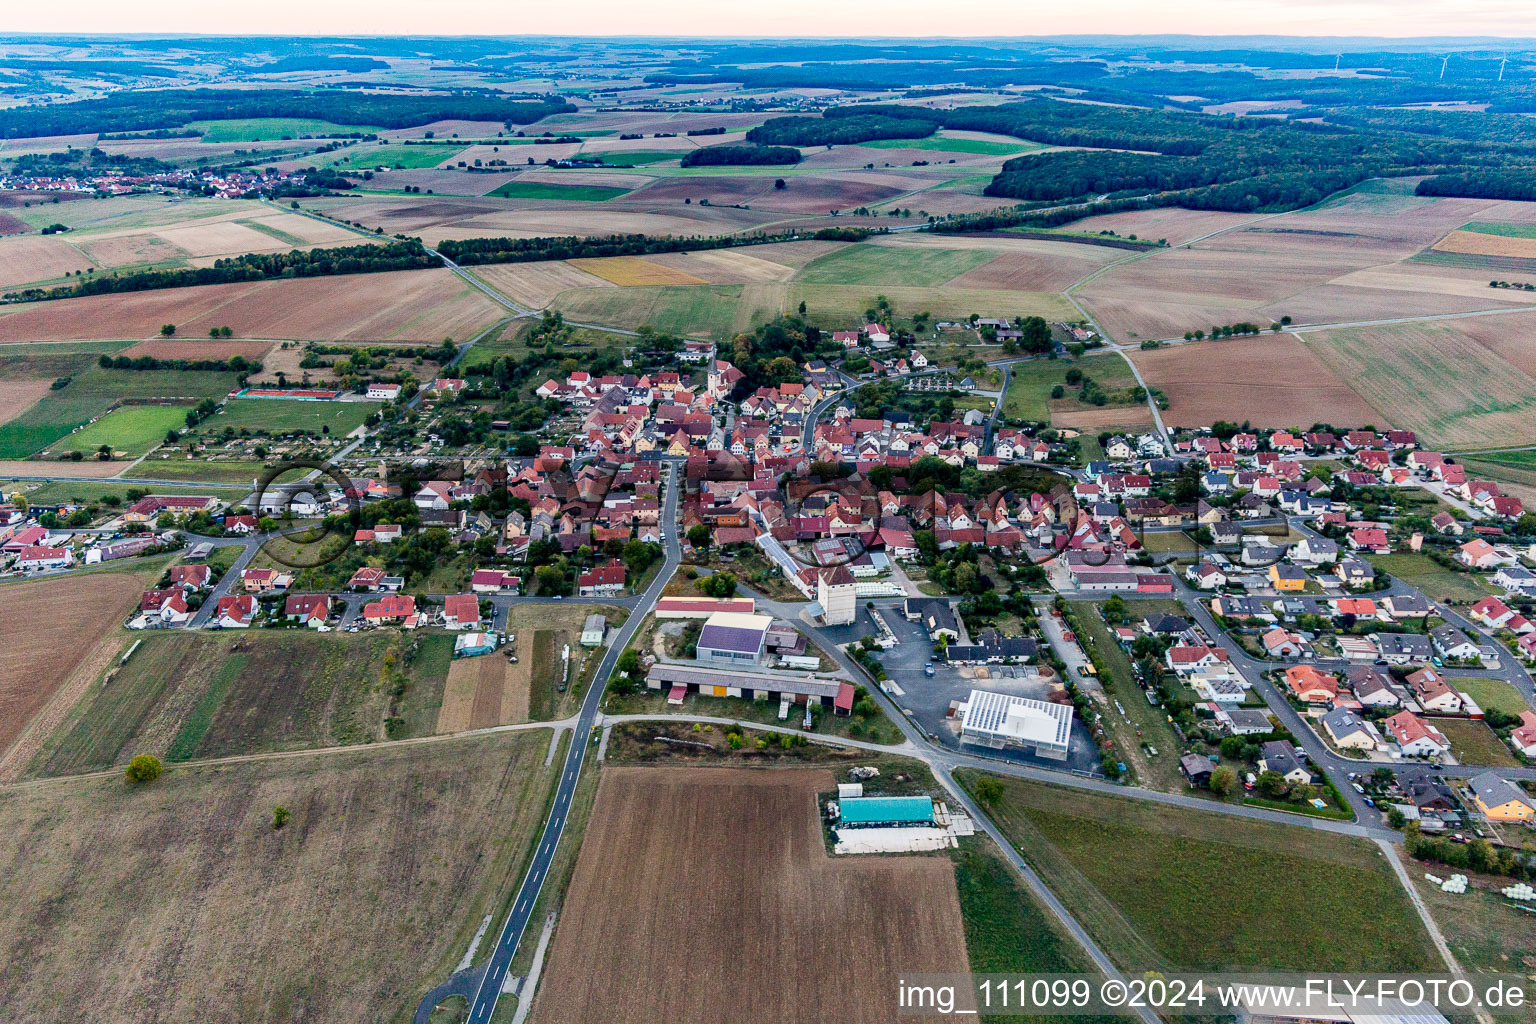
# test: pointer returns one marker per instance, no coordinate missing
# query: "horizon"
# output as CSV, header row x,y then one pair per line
x,y
1493,20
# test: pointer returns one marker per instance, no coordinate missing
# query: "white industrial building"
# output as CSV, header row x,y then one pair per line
x,y
1003,721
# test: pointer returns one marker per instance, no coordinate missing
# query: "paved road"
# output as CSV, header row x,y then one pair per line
x,y
484,1003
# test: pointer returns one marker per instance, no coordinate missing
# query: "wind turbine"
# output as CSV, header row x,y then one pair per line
x,y
1336,58
1502,62
1443,62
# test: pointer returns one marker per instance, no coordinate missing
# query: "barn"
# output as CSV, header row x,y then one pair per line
x,y
733,639
877,811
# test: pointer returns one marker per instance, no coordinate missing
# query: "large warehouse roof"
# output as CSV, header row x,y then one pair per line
x,y
779,682
1003,716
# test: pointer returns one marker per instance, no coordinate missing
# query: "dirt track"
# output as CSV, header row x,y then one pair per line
x,y
705,894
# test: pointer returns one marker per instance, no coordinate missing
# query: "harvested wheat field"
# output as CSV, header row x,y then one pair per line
x,y
1271,381
403,305
48,629
27,258
724,266
17,396
1032,271
1434,379
721,872
795,254
1487,245
535,284
198,348
629,271
180,901
484,691
1511,337
1170,222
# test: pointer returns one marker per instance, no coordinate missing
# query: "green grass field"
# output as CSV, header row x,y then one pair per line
x,y
263,129
881,265
1436,581
568,193
90,393
943,143
1473,742
1491,693
277,416
1164,888
198,471
1483,227
130,429
368,156
708,311
1030,384
95,492
637,158
187,695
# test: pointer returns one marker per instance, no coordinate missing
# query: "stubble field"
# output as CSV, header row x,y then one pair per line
x,y
180,901
723,875
48,630
406,305
1272,380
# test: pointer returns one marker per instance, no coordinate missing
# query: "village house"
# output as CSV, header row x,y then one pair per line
x,y
1414,737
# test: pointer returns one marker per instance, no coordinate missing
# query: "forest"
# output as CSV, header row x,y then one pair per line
x,y
131,111
743,154
839,131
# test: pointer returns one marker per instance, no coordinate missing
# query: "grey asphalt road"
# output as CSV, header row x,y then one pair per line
x,y
484,1002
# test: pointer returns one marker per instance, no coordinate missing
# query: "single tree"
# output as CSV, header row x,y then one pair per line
x,y
167,330
1223,780
143,768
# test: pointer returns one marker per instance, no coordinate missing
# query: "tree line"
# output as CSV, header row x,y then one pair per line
x,y
473,251
349,259
129,111
234,364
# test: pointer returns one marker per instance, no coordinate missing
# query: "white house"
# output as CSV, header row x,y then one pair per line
x,y
386,392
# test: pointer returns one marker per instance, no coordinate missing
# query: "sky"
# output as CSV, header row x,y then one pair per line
x,y
803,18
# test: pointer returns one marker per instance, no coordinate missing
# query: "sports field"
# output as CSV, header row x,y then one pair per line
x,y
1139,877
199,909
130,430
676,858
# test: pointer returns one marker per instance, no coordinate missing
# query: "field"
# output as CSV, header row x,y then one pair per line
x,y
1486,932
1030,384
17,396
195,348
674,859
1435,380
189,695
1335,900
879,266
259,129
91,393
1472,742
25,258
943,142
1436,581
1516,240
87,491
131,430
1491,693
407,305
630,271
484,691
392,856
279,416
542,631
1351,258
562,193
368,156
55,636
1271,380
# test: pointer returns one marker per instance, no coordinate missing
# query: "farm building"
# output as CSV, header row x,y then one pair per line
x,y
730,638
795,687
467,645
1001,721
592,630
875,811
702,607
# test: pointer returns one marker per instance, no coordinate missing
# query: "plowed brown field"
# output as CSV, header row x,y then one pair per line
x,y
699,889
